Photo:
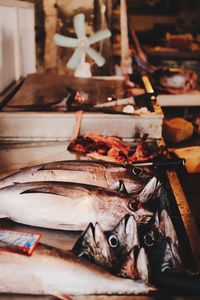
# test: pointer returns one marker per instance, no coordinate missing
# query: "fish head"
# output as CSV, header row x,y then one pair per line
x,y
149,196
135,179
150,233
168,230
157,249
161,257
85,245
92,245
159,244
128,186
124,236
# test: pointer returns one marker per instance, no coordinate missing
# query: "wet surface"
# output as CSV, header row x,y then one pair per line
x,y
43,89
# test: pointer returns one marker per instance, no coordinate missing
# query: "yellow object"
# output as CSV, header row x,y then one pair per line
x,y
177,130
192,157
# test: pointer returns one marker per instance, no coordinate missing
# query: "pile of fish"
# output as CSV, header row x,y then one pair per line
x,y
129,240
132,250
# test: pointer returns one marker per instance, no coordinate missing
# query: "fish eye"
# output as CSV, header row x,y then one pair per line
x,y
165,267
113,241
86,255
132,205
149,239
137,171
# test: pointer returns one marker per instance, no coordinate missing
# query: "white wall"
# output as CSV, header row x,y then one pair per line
x,y
17,41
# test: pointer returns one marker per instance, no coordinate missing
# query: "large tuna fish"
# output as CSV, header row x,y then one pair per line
x,y
67,206
108,175
50,271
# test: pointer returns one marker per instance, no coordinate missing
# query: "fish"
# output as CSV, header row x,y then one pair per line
x,y
105,249
154,196
132,261
108,175
124,237
123,240
161,244
168,230
51,271
149,190
119,253
93,246
64,205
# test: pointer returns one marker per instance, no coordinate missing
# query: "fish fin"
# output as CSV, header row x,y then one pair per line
x,y
122,189
64,296
53,189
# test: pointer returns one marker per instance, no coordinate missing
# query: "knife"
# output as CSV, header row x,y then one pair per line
x,y
111,103
171,162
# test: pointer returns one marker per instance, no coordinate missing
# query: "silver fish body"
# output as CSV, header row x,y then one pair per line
x,y
62,205
50,271
102,174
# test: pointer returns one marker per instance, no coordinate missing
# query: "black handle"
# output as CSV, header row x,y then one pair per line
x,y
173,162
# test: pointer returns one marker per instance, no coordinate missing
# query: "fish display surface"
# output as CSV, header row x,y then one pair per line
x,y
51,271
104,174
67,206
